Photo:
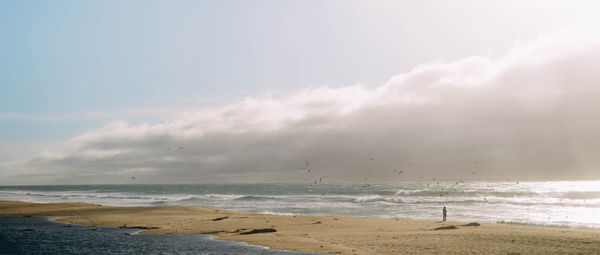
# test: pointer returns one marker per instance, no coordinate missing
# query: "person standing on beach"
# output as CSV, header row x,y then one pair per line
x,y
444,213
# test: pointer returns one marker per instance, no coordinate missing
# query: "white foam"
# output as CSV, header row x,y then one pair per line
x,y
276,213
571,204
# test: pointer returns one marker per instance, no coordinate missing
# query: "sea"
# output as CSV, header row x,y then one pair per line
x,y
574,204
570,204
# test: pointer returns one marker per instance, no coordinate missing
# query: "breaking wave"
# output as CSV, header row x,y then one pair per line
x,y
542,203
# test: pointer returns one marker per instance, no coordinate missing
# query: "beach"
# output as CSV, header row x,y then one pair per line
x,y
323,234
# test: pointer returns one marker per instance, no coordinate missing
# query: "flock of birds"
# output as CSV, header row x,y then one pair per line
x,y
308,170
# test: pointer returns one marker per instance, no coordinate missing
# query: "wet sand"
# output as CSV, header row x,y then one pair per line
x,y
325,234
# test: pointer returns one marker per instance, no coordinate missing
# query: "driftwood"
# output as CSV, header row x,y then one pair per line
x,y
258,231
445,228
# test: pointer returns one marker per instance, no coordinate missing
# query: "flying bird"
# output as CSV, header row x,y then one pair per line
x,y
132,177
180,148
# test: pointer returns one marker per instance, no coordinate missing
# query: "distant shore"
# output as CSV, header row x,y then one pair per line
x,y
324,234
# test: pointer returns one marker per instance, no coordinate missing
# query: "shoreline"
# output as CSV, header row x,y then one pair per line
x,y
140,231
41,234
323,234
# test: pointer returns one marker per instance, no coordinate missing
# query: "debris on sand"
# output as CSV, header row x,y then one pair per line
x,y
258,231
445,228
139,227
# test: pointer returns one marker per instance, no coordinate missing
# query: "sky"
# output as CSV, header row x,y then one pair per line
x,y
249,91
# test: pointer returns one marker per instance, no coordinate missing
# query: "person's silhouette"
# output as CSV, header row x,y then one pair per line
x,y
444,213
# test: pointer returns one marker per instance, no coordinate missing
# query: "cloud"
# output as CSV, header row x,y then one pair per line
x,y
533,113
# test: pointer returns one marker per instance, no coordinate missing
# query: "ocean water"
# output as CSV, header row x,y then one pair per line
x,y
38,235
565,203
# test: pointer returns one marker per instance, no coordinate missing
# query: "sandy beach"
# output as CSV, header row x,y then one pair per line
x,y
324,234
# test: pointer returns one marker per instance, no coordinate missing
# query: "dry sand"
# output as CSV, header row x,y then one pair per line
x,y
332,235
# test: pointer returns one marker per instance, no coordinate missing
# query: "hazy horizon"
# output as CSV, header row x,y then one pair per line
x,y
249,92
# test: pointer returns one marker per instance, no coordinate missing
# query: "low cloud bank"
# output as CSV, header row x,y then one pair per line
x,y
534,113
